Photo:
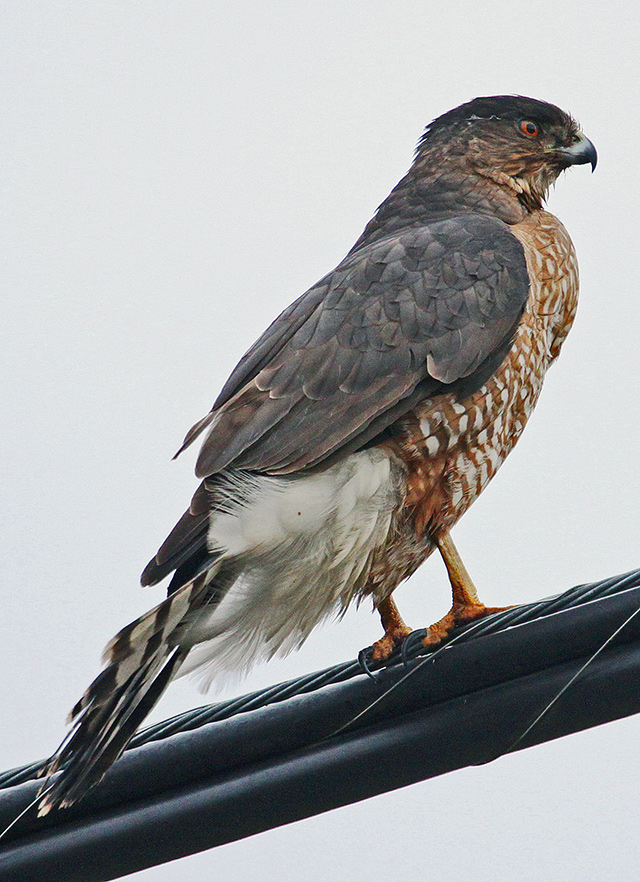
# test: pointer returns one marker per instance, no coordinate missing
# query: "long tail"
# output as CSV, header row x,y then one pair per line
x,y
139,663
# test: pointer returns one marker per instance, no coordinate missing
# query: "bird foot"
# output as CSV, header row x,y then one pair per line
x,y
393,637
458,615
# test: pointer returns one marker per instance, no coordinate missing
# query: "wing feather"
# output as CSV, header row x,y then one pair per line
x,y
432,301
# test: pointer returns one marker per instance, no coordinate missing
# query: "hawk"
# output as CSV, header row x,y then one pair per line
x,y
361,425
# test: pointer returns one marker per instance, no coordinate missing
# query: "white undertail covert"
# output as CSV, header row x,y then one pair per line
x,y
296,549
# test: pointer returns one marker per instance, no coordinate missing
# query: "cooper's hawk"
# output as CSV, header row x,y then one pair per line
x,y
362,424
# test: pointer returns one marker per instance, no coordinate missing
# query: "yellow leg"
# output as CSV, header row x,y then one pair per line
x,y
466,605
395,630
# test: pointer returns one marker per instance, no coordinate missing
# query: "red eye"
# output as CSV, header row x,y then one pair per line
x,y
529,128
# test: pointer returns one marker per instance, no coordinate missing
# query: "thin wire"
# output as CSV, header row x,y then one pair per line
x,y
28,808
573,679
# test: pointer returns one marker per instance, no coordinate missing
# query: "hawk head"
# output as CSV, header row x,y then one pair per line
x,y
518,142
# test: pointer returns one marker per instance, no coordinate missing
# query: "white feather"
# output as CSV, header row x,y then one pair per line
x,y
298,549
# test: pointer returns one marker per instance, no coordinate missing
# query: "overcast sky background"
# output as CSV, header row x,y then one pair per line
x,y
175,175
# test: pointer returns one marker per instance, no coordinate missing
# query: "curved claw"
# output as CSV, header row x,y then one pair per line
x,y
412,645
364,656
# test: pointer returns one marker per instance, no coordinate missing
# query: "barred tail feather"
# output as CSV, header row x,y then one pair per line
x,y
140,661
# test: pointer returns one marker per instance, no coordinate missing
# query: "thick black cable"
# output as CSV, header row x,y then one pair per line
x,y
476,699
211,713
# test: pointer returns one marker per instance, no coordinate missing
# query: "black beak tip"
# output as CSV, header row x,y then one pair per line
x,y
581,152
586,153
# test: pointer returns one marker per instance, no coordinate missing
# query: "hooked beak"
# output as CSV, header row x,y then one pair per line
x,y
580,152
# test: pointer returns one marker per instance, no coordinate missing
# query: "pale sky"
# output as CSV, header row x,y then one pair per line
x,y
176,174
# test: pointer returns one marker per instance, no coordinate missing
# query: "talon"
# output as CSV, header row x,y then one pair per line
x,y
363,661
411,644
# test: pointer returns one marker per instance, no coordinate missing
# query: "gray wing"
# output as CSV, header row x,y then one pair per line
x,y
395,322
429,304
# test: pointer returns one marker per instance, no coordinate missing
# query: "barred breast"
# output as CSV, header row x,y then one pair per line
x,y
452,447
